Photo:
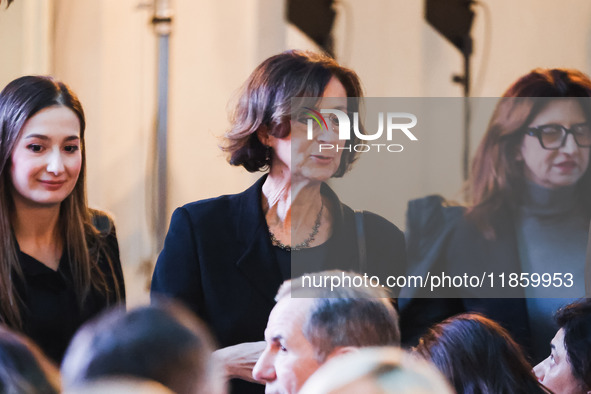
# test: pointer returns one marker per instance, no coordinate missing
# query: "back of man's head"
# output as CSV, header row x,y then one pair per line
x,y
164,343
346,311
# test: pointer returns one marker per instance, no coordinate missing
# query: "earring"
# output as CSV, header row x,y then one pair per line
x,y
267,153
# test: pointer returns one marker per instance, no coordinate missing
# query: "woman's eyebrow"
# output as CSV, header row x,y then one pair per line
x,y
39,136
46,138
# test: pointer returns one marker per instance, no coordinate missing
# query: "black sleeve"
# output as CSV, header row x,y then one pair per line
x,y
113,248
429,225
177,273
588,268
386,246
417,315
113,272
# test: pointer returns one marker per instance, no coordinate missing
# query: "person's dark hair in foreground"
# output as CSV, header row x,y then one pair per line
x,y
478,356
567,370
23,367
162,342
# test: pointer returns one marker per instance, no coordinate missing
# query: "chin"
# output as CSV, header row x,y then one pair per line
x,y
50,201
319,175
566,182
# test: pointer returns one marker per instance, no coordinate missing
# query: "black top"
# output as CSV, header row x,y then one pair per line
x,y
51,313
317,253
219,260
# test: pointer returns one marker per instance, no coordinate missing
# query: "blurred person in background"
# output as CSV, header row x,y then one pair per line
x,y
528,212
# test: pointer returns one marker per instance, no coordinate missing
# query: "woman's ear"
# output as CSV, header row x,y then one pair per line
x,y
263,135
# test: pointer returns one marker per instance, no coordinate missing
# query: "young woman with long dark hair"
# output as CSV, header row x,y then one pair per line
x,y
59,260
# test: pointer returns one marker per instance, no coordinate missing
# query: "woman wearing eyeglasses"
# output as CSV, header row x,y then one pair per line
x,y
529,209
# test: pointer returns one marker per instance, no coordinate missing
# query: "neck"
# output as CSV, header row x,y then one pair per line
x,y
37,225
277,194
290,203
542,200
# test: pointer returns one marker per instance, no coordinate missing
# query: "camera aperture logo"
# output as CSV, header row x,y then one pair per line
x,y
395,122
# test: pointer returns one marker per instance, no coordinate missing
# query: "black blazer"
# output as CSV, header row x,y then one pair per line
x,y
588,268
464,249
218,259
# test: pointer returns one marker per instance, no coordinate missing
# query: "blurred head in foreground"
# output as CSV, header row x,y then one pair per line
x,y
23,367
377,371
120,385
163,342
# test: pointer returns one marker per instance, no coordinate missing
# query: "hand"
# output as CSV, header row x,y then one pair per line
x,y
239,360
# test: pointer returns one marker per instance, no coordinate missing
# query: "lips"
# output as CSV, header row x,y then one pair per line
x,y
567,165
322,158
52,185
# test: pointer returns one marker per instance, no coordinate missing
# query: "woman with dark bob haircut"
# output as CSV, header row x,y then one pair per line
x,y
478,356
567,370
528,212
59,260
226,257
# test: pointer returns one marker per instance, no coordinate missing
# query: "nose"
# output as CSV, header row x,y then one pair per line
x,y
264,370
540,370
330,134
55,162
570,145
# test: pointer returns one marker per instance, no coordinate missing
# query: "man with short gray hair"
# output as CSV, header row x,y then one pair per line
x,y
320,316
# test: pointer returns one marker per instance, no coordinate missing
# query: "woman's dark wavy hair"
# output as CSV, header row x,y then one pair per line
x,y
265,104
575,320
20,100
477,355
23,367
497,178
